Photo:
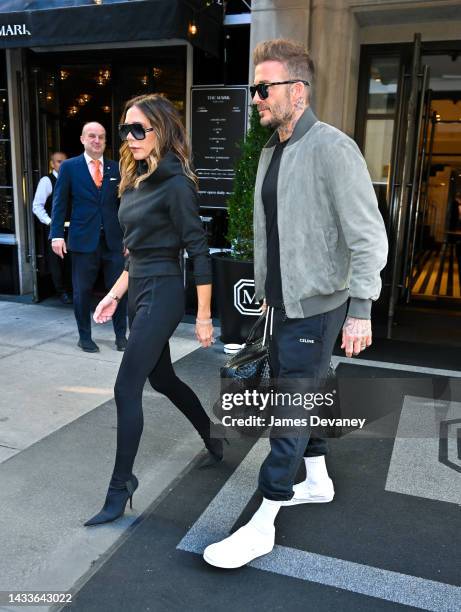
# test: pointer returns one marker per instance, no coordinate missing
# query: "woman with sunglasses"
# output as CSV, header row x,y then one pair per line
x,y
159,215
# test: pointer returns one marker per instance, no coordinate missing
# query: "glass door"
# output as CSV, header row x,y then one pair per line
x,y
392,119
435,273
44,140
408,163
8,248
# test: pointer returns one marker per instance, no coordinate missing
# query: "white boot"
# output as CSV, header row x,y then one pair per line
x,y
317,488
253,540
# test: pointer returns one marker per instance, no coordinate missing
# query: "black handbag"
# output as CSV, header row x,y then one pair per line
x,y
251,369
251,365
248,370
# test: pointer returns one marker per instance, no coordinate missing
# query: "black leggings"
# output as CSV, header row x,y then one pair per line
x,y
155,308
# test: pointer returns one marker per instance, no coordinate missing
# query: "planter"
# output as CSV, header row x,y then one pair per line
x,y
233,282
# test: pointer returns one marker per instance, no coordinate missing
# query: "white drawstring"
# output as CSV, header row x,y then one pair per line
x,y
269,313
265,325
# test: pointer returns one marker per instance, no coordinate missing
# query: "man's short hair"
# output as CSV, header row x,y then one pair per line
x,y
293,55
57,153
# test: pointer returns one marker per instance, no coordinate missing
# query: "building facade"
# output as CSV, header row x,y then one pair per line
x,y
388,73
64,62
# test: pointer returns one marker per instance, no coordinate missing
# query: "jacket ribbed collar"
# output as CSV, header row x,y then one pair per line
x,y
304,124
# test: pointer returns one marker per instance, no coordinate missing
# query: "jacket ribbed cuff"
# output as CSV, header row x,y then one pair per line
x,y
359,309
203,280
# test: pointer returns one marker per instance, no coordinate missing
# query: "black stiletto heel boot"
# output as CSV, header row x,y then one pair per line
x,y
215,448
116,500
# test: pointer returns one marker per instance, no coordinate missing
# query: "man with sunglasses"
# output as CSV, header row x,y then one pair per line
x,y
89,183
319,247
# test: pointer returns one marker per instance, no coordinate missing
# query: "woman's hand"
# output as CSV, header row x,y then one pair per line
x,y
105,309
204,332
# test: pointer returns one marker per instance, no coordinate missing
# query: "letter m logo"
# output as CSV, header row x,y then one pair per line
x,y
244,297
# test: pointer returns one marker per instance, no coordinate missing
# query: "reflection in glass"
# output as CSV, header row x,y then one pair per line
x,y
166,77
445,72
4,127
2,69
5,164
382,88
6,211
378,146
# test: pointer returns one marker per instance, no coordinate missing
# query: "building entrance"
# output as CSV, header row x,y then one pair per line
x,y
69,89
409,127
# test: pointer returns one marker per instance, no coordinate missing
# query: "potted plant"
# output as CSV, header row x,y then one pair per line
x,y
233,272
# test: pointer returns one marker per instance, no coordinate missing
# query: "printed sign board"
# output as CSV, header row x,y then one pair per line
x,y
219,118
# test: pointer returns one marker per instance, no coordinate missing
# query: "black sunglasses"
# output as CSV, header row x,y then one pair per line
x,y
138,131
261,88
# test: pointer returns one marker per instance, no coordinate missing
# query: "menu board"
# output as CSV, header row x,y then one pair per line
x,y
218,124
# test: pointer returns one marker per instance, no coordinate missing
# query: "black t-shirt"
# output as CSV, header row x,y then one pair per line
x,y
273,288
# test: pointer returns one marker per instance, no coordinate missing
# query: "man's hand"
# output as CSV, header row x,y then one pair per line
x,y
59,247
356,335
264,306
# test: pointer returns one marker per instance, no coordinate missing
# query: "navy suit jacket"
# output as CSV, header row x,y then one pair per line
x,y
91,208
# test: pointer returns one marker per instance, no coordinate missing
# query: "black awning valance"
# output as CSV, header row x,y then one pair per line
x,y
108,23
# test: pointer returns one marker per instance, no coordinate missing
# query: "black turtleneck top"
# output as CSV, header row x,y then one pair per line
x,y
161,217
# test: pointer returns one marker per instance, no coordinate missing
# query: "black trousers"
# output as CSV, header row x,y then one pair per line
x,y
155,306
85,269
60,270
300,350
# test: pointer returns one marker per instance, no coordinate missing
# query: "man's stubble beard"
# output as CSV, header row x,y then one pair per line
x,y
280,116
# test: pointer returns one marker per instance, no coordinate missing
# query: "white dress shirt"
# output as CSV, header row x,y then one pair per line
x,y
43,192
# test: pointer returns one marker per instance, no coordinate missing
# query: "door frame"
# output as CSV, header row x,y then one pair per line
x,y
394,285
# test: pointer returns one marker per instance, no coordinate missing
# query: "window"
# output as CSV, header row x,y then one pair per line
x,y
6,188
380,116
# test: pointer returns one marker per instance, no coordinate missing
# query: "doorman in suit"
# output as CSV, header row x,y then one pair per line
x,y
90,183
41,207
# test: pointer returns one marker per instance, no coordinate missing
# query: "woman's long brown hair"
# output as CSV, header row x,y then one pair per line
x,y
170,136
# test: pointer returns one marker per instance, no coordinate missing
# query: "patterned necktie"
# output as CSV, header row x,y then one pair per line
x,y
96,174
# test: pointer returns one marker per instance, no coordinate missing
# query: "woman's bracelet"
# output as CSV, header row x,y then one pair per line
x,y
203,321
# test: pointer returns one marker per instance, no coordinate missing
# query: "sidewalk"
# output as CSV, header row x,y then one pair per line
x,y
392,541
57,445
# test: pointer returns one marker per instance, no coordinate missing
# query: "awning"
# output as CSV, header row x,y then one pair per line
x,y
143,20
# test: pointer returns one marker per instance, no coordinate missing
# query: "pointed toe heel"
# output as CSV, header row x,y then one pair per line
x,y
116,500
215,448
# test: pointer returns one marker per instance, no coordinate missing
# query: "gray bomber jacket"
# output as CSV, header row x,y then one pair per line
x,y
333,242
